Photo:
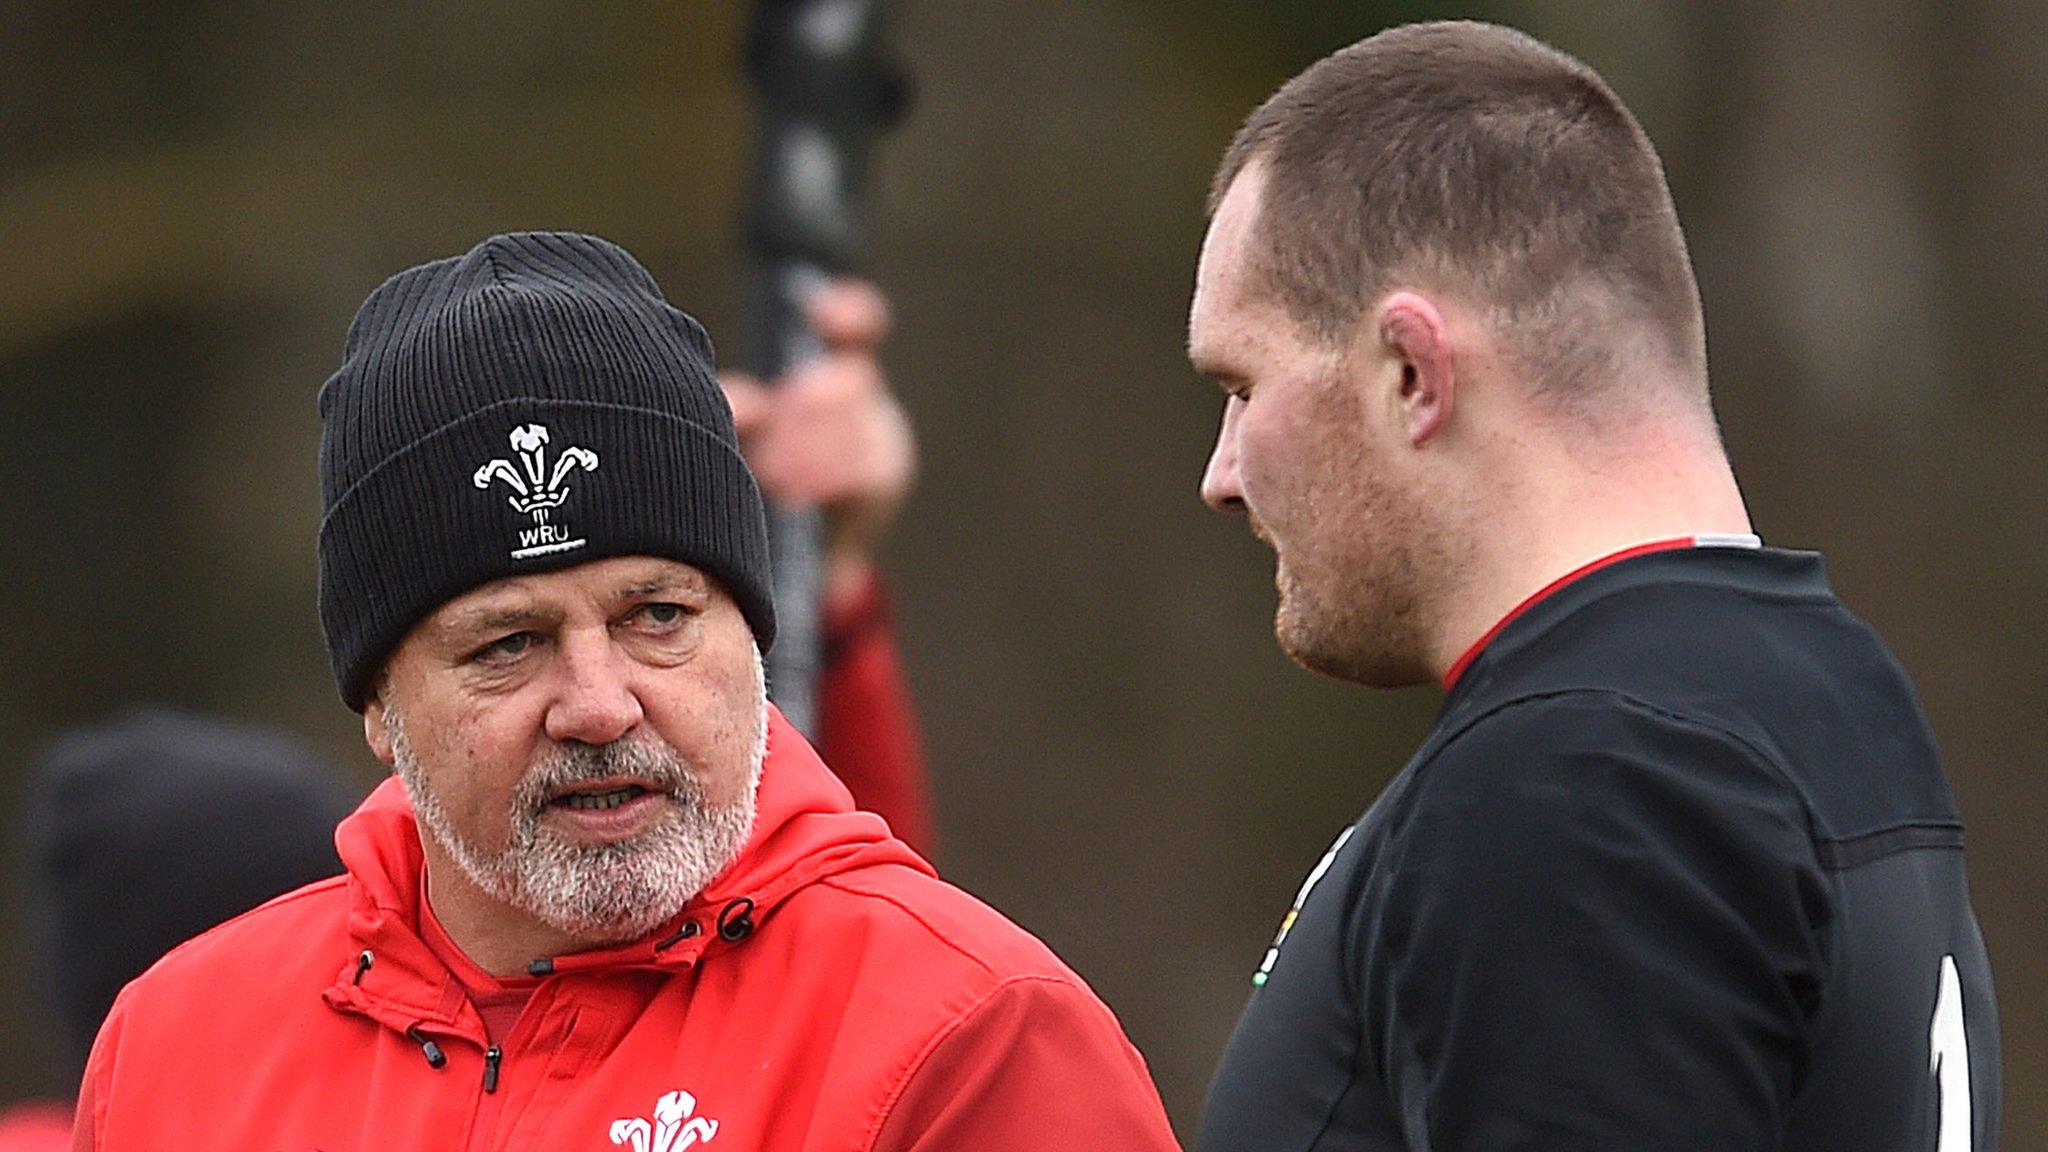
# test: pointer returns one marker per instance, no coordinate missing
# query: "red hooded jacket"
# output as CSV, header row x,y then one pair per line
x,y
827,992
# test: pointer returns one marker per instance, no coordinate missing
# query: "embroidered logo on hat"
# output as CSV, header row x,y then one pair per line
x,y
539,489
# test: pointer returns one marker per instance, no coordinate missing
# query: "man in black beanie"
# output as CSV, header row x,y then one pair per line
x,y
611,898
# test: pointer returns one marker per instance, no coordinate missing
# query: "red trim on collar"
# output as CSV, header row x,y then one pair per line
x,y
1458,669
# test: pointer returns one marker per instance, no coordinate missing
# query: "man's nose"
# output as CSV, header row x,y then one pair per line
x,y
596,702
1220,488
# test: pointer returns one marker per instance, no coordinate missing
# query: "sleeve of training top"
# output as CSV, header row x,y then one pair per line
x,y
1041,1063
867,728
1602,928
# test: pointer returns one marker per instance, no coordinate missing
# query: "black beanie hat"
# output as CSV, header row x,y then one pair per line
x,y
532,405
153,827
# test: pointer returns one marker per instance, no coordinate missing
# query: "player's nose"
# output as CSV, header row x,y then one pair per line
x,y
1220,487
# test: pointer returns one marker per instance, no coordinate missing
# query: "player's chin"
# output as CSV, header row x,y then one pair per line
x,y
1302,635
1322,644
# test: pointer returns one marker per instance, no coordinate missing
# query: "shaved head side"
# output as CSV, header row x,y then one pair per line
x,y
1471,159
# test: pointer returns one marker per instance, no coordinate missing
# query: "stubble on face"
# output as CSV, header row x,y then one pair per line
x,y
605,893
1369,634
1353,565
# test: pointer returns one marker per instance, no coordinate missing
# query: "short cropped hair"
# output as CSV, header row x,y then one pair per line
x,y
1475,160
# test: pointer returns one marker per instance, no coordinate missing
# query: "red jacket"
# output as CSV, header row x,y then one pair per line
x,y
828,992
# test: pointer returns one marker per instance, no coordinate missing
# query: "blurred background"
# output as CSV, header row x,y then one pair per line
x,y
195,196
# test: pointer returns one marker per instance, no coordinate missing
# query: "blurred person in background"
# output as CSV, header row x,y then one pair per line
x,y
142,832
832,435
609,898
1678,867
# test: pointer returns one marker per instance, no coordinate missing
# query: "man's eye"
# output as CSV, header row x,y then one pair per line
x,y
505,647
663,615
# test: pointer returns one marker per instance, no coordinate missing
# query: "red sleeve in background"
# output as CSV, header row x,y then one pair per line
x,y
867,729
36,1126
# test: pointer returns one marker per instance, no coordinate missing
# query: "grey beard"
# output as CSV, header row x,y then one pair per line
x,y
596,894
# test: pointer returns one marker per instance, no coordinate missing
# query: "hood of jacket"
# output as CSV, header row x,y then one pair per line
x,y
805,830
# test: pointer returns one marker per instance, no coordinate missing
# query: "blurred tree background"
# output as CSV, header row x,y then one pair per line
x,y
197,195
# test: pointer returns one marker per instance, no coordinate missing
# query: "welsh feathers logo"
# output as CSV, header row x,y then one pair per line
x,y
537,488
673,1129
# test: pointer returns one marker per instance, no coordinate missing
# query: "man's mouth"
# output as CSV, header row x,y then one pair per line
x,y
608,799
599,796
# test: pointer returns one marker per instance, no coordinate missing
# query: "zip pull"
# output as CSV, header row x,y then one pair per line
x,y
492,1055
436,1058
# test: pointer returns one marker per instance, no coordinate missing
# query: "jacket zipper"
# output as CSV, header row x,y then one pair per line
x,y
484,1122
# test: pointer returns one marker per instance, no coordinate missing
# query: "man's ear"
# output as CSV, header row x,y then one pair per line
x,y
376,729
1412,331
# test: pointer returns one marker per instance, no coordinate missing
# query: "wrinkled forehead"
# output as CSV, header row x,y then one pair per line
x,y
602,583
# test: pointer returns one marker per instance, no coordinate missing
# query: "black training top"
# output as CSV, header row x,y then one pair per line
x,y
1677,869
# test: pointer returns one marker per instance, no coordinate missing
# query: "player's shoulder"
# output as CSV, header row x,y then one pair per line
x,y
1556,767
1752,645
1592,733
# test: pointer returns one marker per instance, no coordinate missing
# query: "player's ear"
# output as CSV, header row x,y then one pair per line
x,y
1412,333
376,721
